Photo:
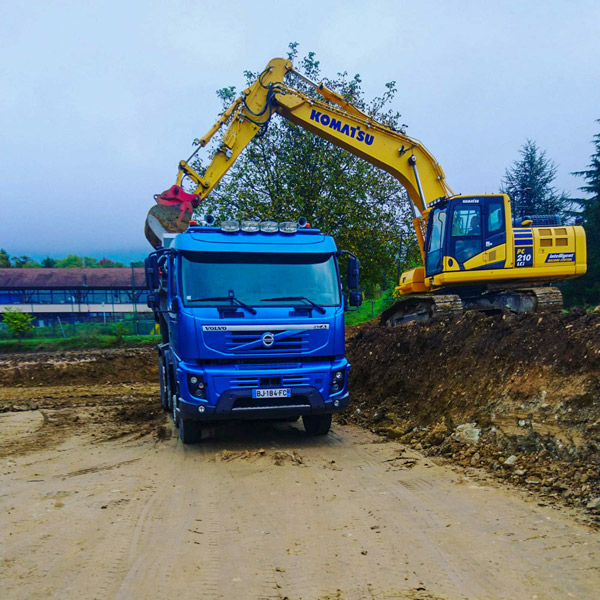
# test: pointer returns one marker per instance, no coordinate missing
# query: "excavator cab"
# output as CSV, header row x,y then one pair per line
x,y
463,233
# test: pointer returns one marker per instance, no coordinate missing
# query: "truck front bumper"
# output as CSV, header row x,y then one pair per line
x,y
239,404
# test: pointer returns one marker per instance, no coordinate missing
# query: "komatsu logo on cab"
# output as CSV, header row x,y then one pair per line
x,y
353,132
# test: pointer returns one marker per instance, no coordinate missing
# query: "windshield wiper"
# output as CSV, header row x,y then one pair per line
x,y
314,304
232,299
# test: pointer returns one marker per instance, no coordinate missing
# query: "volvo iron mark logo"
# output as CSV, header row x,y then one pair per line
x,y
268,339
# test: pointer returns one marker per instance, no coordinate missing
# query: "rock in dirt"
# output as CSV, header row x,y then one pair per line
x,y
467,433
594,504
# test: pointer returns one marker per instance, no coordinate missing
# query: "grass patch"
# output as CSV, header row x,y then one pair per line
x,y
370,309
78,343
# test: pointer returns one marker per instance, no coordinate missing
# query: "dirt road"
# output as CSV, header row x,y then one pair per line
x,y
100,500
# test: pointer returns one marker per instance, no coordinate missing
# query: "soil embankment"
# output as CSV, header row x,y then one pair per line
x,y
518,395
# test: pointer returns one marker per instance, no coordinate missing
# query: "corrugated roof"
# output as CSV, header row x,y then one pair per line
x,y
71,278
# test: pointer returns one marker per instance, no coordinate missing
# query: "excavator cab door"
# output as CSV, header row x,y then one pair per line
x,y
477,227
495,231
465,238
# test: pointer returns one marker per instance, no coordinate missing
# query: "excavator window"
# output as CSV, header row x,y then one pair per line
x,y
466,223
495,220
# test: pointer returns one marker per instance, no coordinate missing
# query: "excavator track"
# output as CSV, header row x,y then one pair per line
x,y
421,307
548,299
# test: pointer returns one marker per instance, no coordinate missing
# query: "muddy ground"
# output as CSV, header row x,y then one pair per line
x,y
516,395
99,499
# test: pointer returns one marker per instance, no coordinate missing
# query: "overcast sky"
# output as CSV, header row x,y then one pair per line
x,y
100,100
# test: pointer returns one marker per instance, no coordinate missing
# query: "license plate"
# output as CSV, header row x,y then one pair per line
x,y
272,393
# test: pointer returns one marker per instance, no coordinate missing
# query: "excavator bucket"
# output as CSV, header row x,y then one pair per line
x,y
172,213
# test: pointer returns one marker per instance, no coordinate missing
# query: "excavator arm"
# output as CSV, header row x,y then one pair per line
x,y
333,119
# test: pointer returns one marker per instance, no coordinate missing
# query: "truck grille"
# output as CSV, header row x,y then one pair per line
x,y
243,342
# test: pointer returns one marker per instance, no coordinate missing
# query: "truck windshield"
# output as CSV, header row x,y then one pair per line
x,y
259,279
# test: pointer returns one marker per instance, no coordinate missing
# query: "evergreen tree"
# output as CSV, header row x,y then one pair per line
x,y
288,172
529,184
48,263
586,289
4,259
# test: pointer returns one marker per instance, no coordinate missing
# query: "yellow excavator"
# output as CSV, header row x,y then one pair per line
x,y
475,256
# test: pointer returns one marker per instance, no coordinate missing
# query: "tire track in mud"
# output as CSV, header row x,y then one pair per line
x,y
269,513
176,537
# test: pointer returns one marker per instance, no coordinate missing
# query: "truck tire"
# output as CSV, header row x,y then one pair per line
x,y
316,424
162,377
190,431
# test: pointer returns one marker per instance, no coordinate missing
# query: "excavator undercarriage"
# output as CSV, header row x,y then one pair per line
x,y
421,307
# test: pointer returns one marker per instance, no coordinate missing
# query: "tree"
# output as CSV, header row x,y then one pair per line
x,y
18,322
529,184
69,262
4,259
109,264
586,289
48,263
24,262
288,172
89,261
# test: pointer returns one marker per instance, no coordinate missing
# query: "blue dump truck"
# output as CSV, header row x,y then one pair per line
x,y
251,316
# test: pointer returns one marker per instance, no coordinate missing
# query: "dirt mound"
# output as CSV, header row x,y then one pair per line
x,y
122,365
517,394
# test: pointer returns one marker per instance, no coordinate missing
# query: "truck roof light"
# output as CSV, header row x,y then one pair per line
x,y
288,227
250,226
269,227
230,226
209,220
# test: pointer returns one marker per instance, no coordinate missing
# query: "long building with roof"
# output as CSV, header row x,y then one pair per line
x,y
74,295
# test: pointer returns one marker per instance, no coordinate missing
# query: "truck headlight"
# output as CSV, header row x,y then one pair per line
x,y
337,381
250,226
288,227
196,386
230,226
269,227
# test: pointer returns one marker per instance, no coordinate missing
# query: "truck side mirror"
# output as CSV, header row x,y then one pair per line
x,y
152,301
151,270
353,270
174,305
355,299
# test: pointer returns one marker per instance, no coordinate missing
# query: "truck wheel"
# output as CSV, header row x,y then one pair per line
x,y
316,424
162,376
190,431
